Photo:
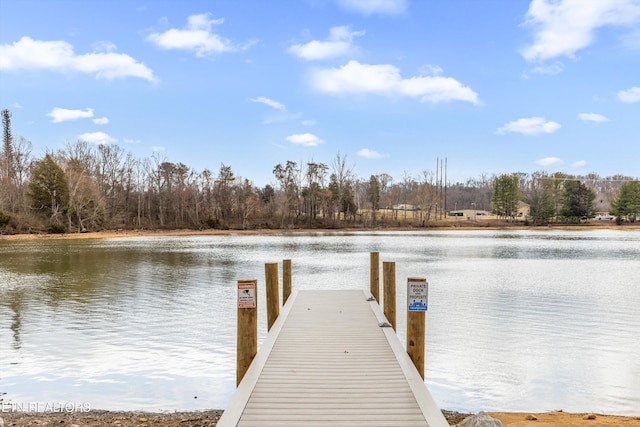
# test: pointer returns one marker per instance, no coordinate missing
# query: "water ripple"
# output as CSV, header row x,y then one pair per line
x,y
523,320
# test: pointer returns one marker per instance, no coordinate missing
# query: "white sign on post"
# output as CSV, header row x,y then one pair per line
x,y
417,293
246,295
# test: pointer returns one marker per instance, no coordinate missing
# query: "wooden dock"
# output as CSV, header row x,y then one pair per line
x,y
327,362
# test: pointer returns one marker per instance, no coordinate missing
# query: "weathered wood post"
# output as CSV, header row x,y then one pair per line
x,y
374,275
416,308
247,334
273,296
389,294
286,280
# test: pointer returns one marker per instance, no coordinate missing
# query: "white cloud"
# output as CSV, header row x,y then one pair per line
x,y
385,79
592,117
630,95
59,115
157,148
549,161
529,126
431,70
369,154
16,105
101,120
196,37
96,138
305,139
104,46
309,122
270,102
131,141
548,70
29,54
339,43
579,164
562,27
368,7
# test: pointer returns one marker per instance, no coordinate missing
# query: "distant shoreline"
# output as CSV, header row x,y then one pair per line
x,y
444,226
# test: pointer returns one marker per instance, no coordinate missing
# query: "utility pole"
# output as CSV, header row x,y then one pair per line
x,y
445,186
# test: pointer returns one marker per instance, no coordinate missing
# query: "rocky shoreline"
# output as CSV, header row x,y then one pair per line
x,y
209,418
96,418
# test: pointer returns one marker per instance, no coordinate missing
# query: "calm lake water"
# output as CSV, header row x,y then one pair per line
x,y
517,320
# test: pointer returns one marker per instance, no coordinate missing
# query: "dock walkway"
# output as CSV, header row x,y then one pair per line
x,y
327,362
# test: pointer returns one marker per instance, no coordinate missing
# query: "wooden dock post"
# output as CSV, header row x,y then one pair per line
x,y
286,280
389,286
374,275
416,326
247,334
273,296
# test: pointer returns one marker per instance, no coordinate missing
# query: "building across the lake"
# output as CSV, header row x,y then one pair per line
x,y
470,214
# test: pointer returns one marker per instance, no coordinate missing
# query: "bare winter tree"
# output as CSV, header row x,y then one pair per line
x,y
427,195
287,176
315,182
343,176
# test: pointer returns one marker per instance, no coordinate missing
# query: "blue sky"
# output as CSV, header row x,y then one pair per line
x,y
495,86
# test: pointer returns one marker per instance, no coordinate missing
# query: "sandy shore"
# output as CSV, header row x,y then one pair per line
x,y
563,419
210,418
134,233
451,225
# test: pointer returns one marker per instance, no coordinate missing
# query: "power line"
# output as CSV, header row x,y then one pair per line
x,y
551,178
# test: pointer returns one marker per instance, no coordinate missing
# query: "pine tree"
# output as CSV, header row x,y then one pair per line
x,y
506,195
578,201
48,189
627,204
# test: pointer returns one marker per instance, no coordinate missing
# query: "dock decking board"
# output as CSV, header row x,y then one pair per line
x,y
326,362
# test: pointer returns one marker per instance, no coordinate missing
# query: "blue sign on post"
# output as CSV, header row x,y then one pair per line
x,y
417,293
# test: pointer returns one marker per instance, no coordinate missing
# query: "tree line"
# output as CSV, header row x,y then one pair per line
x,y
86,187
561,197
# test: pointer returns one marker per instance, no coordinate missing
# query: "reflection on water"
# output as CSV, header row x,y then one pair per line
x,y
522,320
16,321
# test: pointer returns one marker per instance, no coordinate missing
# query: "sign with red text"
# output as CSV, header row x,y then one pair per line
x,y
246,295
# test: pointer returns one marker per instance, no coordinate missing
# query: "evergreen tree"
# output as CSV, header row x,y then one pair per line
x,y
373,195
578,201
627,204
347,203
541,200
541,209
506,195
4,219
48,189
334,199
